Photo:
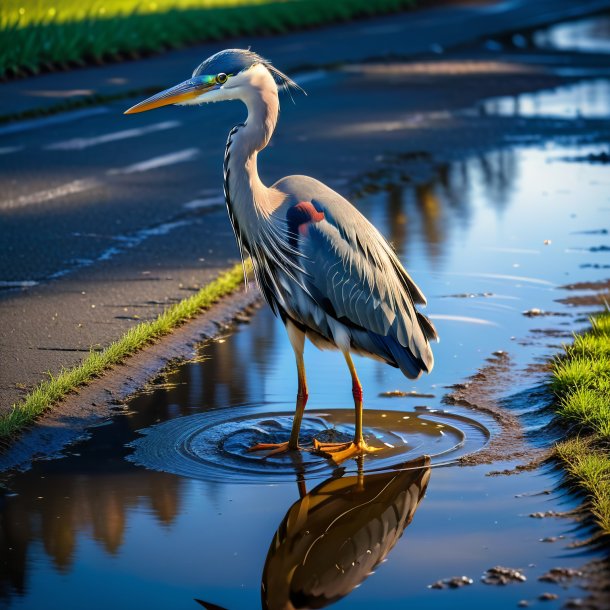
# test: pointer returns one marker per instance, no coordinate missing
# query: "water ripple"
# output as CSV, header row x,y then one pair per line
x,y
213,445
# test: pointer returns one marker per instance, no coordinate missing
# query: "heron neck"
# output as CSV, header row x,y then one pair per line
x,y
244,191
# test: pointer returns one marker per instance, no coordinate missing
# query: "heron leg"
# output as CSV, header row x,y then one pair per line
x,y
342,451
297,340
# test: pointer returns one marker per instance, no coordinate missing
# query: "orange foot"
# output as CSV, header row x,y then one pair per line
x,y
273,448
342,451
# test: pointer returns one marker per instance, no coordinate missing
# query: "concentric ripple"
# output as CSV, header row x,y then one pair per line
x,y
213,445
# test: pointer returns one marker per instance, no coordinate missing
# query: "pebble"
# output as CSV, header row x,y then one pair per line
x,y
455,582
547,597
559,575
548,513
499,575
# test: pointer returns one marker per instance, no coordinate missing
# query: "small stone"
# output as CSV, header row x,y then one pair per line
x,y
456,582
560,575
542,515
547,597
552,538
499,575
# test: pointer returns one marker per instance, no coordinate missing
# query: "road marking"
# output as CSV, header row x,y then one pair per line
x,y
76,186
17,283
208,202
65,117
124,243
82,143
163,161
7,150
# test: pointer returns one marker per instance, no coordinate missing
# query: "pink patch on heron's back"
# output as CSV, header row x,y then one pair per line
x,y
301,215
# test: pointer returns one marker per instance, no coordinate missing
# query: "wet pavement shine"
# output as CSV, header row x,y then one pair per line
x,y
163,507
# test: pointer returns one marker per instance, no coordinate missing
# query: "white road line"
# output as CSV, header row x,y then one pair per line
x,y
208,202
124,243
17,283
76,186
163,161
82,143
7,150
65,117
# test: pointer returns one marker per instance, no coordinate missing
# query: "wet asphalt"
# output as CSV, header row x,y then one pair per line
x,y
107,219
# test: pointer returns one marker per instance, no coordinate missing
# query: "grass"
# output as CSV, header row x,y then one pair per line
x,y
49,392
38,35
581,382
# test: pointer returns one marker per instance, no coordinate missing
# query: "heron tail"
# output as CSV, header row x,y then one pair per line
x,y
397,355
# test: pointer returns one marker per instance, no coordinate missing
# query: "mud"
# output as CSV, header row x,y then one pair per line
x,y
596,299
536,313
482,392
596,286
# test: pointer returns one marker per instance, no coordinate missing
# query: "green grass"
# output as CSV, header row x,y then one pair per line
x,y
581,382
37,36
49,392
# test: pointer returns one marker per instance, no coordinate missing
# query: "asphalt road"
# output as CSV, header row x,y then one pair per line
x,y
105,218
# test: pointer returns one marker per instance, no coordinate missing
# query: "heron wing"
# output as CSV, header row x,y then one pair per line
x,y
353,274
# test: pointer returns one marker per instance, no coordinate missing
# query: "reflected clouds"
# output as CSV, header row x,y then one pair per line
x,y
428,205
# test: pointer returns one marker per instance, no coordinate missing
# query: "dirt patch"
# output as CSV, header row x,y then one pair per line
x,y
536,312
597,286
596,299
482,392
100,400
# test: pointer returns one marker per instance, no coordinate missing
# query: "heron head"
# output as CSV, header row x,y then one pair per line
x,y
227,75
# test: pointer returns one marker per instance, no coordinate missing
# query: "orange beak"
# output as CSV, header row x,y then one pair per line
x,y
188,90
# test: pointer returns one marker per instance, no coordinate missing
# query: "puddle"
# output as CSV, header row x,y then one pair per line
x,y
584,35
589,99
165,505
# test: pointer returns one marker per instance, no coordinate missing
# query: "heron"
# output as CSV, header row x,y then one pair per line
x,y
322,267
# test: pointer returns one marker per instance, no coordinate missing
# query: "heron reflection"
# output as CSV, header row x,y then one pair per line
x,y
333,537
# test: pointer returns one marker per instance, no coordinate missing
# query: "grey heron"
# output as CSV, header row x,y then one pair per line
x,y
320,264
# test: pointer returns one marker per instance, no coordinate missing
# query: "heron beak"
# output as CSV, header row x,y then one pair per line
x,y
188,90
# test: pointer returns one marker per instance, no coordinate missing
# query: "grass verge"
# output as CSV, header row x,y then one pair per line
x,y
581,382
47,393
37,37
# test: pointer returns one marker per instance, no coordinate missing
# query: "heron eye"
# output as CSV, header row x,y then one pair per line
x,y
221,78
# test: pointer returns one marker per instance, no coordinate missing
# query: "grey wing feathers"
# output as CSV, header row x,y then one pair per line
x,y
353,274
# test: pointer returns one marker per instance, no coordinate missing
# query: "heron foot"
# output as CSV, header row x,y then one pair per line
x,y
343,451
273,448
